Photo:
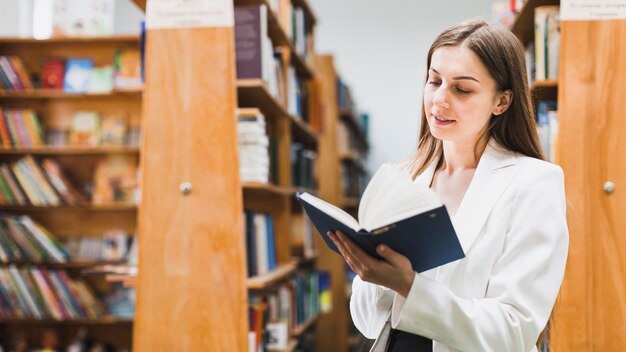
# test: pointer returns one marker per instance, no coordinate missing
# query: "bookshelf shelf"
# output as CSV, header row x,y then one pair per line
x,y
544,90
141,4
126,280
261,189
524,25
71,40
253,93
59,94
303,69
349,116
82,208
71,150
299,330
293,343
102,321
73,264
350,203
552,83
304,261
302,132
270,279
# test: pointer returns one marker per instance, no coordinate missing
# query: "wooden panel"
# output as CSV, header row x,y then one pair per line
x,y
191,293
590,314
332,329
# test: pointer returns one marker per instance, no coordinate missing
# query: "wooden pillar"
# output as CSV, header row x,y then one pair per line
x,y
191,293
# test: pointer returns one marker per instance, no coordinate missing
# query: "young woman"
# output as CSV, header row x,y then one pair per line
x,y
478,150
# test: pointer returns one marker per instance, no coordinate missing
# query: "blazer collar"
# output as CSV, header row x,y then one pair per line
x,y
494,173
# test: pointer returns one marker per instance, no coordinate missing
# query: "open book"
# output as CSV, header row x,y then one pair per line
x,y
407,217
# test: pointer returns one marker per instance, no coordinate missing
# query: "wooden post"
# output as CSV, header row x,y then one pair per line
x,y
191,293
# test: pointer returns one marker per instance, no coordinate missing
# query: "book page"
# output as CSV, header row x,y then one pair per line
x,y
391,196
336,212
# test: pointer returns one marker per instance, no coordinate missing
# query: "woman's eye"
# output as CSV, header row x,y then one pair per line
x,y
462,91
434,83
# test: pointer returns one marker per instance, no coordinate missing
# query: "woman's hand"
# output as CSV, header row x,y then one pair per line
x,y
395,272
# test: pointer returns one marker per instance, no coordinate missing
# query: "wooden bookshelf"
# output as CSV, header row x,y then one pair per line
x,y
214,213
59,94
102,321
71,150
589,313
55,108
70,40
75,209
524,24
332,329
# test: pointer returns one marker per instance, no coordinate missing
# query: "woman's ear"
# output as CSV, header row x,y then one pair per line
x,y
504,101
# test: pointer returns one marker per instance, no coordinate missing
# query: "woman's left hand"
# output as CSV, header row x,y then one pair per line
x,y
394,272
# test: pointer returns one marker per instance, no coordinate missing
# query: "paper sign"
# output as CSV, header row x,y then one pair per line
x,y
586,10
161,14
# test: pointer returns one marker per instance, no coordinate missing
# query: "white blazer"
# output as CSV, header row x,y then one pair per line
x,y
511,224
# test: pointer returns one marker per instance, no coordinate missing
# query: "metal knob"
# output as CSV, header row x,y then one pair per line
x,y
185,188
609,187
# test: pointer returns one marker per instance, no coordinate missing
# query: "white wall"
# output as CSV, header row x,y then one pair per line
x,y
380,51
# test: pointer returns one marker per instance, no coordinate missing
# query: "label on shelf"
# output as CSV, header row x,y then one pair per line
x,y
162,14
585,10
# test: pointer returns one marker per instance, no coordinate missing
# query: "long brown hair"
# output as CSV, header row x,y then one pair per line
x,y
503,56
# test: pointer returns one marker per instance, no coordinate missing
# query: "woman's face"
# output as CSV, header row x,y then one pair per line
x,y
460,95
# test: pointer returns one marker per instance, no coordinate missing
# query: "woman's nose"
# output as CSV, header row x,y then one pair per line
x,y
440,98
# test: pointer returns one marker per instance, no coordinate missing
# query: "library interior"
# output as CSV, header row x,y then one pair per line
x,y
159,159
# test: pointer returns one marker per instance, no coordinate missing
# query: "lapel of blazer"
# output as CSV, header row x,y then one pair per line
x,y
494,173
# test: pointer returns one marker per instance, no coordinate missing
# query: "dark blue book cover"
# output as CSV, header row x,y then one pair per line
x,y
427,239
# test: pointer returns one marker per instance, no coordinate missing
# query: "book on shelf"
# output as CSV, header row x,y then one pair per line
x,y
77,75
13,74
253,146
52,73
101,80
393,211
127,74
20,128
23,239
260,241
27,182
255,55
115,180
547,42
37,293
85,129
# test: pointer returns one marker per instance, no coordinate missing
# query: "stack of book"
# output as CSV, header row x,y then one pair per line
x,y
260,242
254,143
26,182
22,239
20,128
255,55
32,292
13,74
113,245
